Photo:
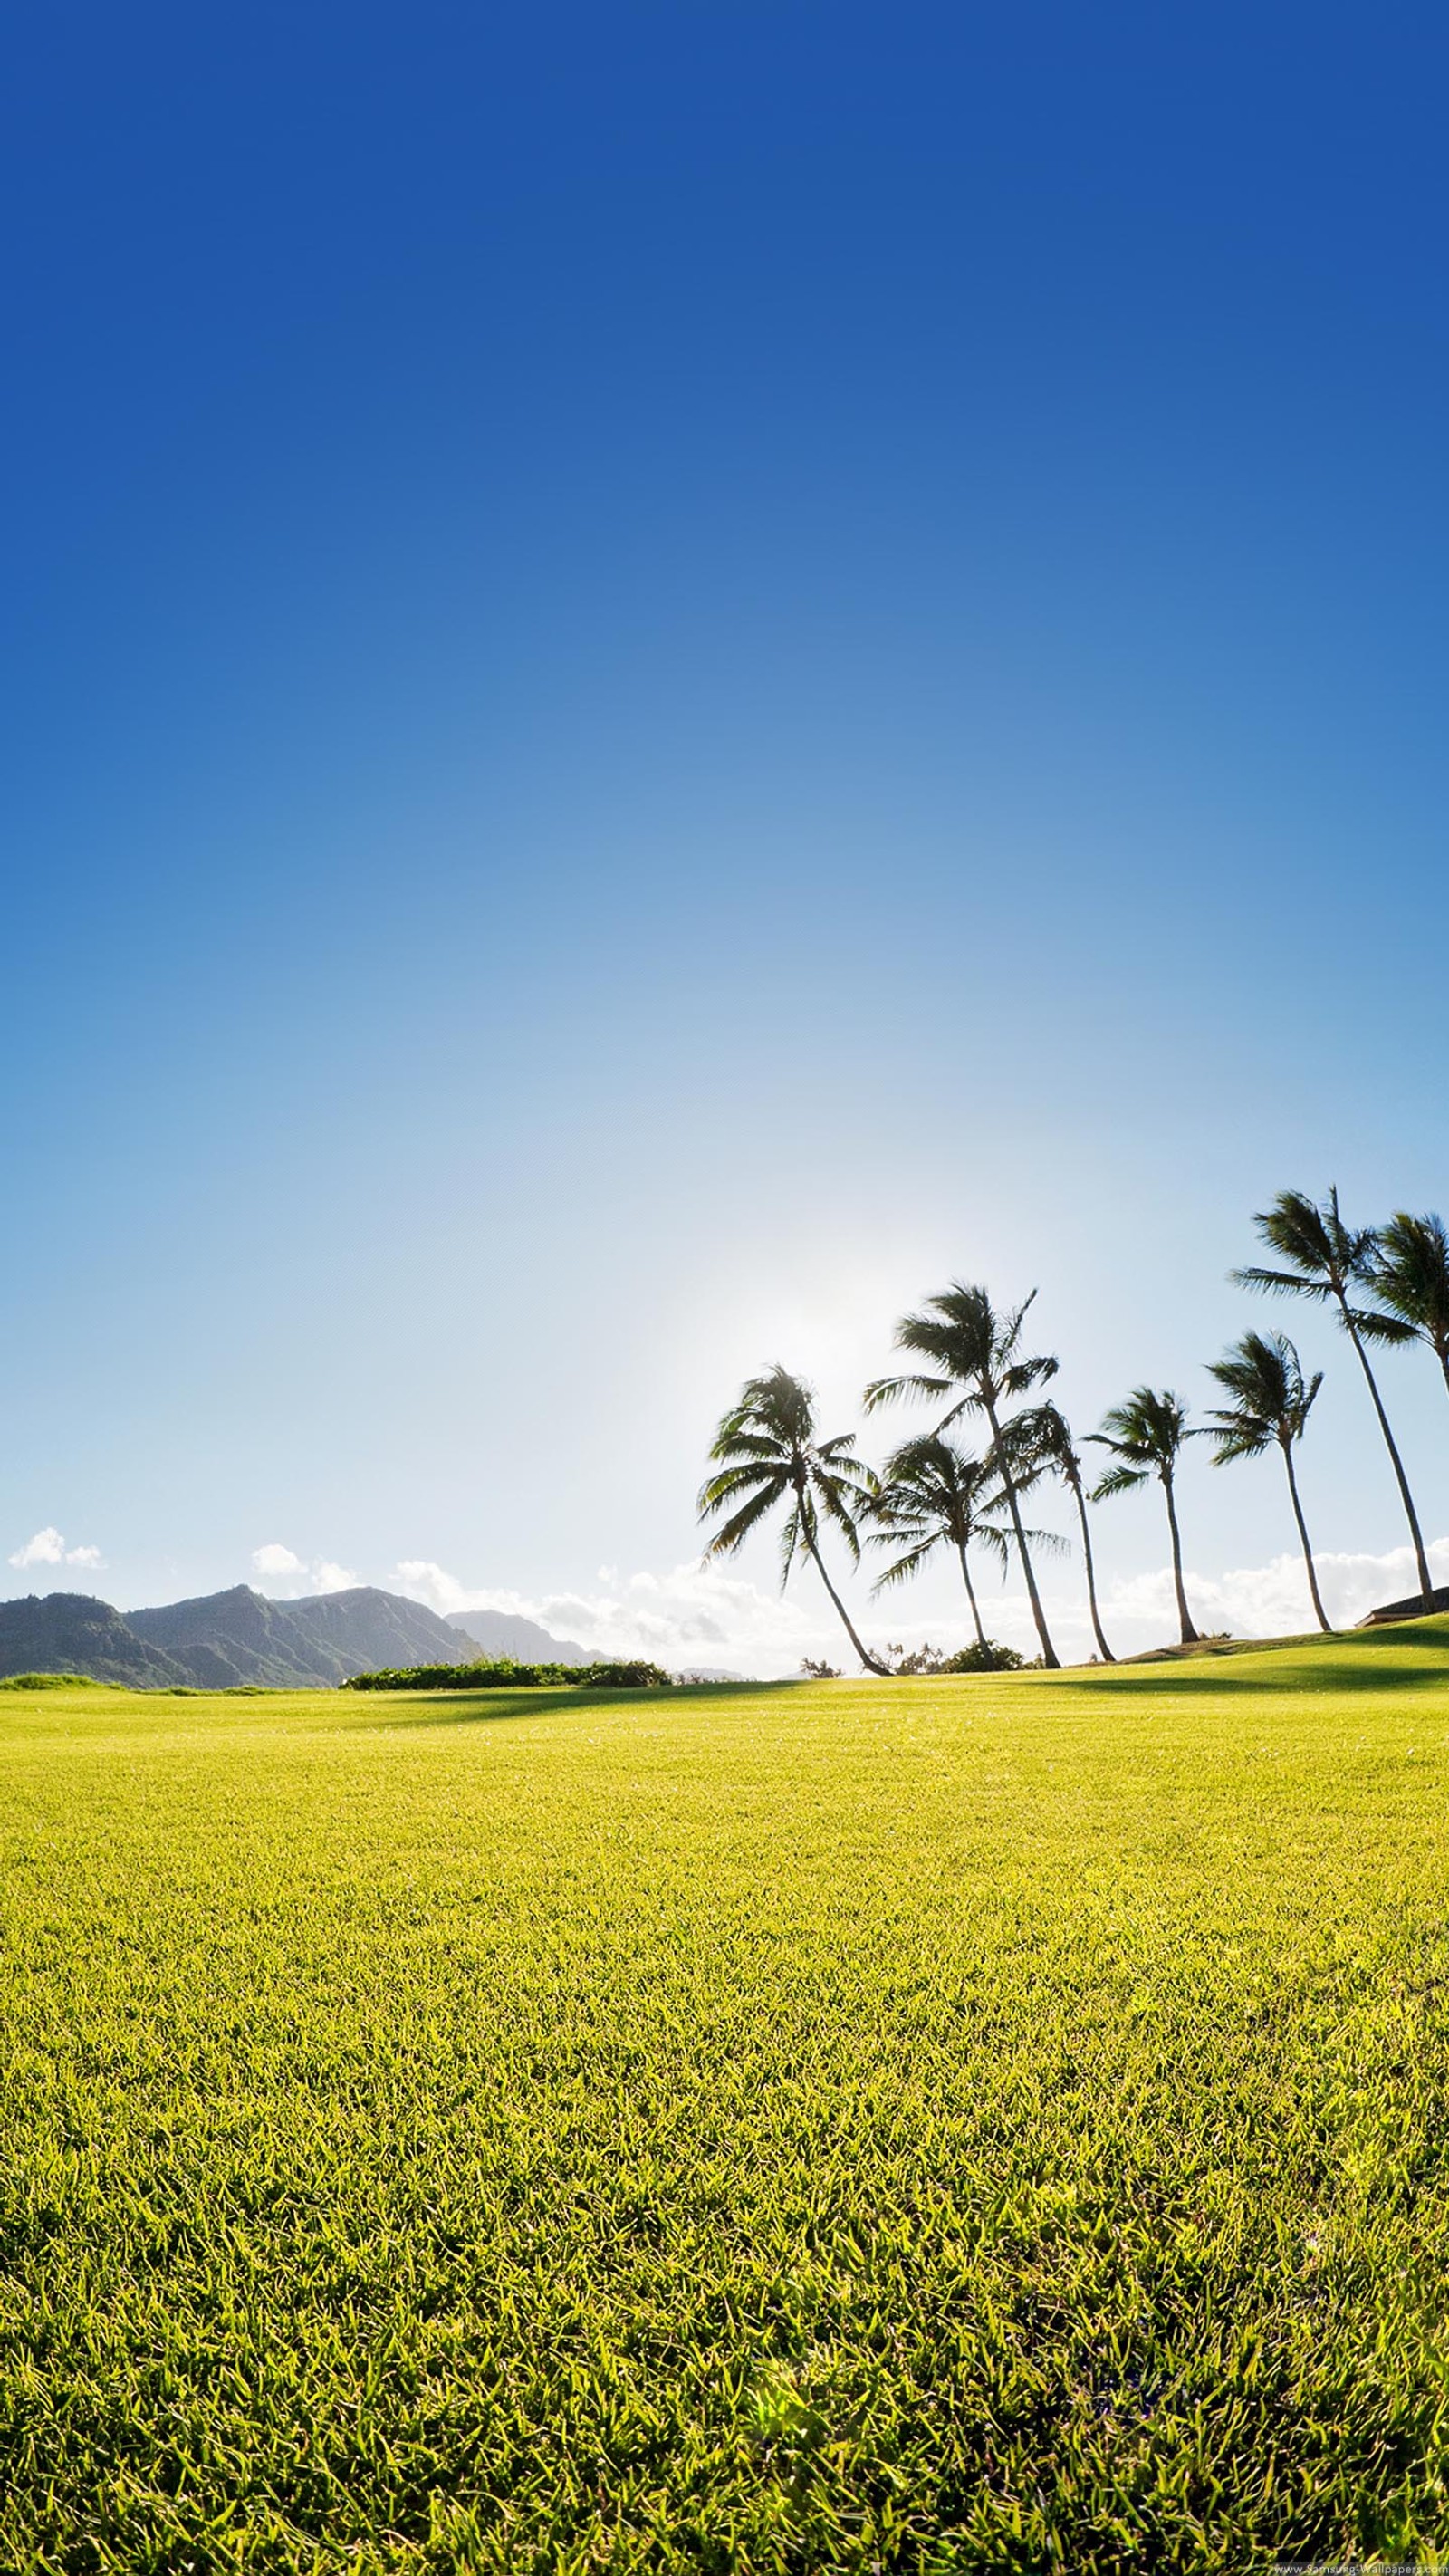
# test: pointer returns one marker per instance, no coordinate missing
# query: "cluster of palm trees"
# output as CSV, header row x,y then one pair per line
x,y
1383,1284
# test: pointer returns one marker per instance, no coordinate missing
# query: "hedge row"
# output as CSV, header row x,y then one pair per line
x,y
504,1674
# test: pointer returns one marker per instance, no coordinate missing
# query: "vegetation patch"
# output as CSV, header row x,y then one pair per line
x,y
53,1681
938,2125
501,1673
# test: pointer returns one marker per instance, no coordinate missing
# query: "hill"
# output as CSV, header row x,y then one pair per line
x,y
225,1638
502,1632
239,1636
69,1632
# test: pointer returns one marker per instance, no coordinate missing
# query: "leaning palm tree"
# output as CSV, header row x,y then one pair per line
x,y
1146,1436
978,1352
1328,1261
934,1495
767,1452
1271,1402
1060,1456
1409,1274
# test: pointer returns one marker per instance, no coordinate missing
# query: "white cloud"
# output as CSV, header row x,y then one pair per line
x,y
46,1548
297,1575
424,1581
1272,1600
702,1614
694,1614
49,1548
275,1559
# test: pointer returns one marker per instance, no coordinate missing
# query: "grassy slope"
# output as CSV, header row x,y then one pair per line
x,y
994,2123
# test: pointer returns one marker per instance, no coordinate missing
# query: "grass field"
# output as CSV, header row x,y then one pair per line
x,y
932,2126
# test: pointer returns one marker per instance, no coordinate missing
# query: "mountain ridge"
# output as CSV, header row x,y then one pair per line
x,y
72,1632
220,1640
507,1632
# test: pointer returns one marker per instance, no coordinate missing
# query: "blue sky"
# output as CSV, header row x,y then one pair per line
x,y
673,671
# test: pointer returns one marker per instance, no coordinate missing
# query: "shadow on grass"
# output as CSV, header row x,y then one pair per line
x,y
493,1707
1325,1673
1431,1635
1348,1659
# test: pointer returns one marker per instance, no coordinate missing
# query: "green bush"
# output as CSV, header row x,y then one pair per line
x,y
55,1681
983,1657
987,1658
502,1673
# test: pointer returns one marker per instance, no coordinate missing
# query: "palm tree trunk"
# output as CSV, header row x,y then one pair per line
x,y
1049,1654
868,1660
1184,1615
1080,1499
1426,1585
981,1637
1303,1535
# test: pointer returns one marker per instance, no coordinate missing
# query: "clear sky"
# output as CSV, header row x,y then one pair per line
x,y
671,671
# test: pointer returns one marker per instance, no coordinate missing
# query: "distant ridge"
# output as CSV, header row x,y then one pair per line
x,y
503,1632
224,1638
68,1632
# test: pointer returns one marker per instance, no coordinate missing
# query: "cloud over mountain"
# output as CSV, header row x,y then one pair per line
x,y
49,1548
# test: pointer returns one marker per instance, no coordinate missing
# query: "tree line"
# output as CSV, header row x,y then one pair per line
x,y
1385,1284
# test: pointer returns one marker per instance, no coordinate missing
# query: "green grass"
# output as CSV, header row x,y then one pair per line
x,y
997,2123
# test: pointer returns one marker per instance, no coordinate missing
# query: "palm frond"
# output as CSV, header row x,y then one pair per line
x,y
1371,1326
1324,1254
792,1543
898,1519
1264,1376
1023,1375
908,1564
718,1490
999,1542
835,1501
1045,1431
1410,1275
1147,1430
1281,1283
732,1536
1118,1480
747,1444
890,1390
1238,1439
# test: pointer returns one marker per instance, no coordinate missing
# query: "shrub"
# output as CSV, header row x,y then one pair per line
x,y
502,1673
55,1681
988,1658
977,1658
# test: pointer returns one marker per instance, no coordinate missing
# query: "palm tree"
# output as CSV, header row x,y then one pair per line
x,y
974,1349
767,1453
933,1495
1271,1402
1327,1261
1410,1275
1146,1436
1060,1456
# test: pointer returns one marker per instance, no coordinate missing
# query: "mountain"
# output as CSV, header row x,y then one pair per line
x,y
68,1632
238,1636
225,1638
501,1632
368,1630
